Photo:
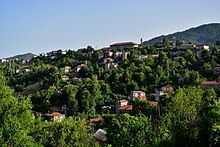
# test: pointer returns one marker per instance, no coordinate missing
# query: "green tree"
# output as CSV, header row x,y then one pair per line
x,y
127,130
72,131
165,42
218,42
70,91
16,121
183,116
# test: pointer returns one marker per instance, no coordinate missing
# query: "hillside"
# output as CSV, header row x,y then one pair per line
x,y
204,34
23,56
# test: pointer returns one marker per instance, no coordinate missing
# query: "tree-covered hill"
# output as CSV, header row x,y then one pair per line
x,y
22,56
204,34
35,97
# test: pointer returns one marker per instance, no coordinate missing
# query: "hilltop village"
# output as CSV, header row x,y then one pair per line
x,y
128,93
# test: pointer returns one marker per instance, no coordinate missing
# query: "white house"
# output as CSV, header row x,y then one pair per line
x,y
120,103
136,95
204,47
56,116
67,69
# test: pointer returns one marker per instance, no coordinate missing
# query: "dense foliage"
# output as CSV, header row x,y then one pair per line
x,y
188,116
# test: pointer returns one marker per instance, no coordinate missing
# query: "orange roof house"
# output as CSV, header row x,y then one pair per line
x,y
153,104
123,45
79,67
205,85
125,109
56,116
94,120
187,46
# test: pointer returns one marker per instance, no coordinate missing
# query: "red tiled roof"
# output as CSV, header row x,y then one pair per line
x,y
127,107
209,83
122,101
124,43
187,45
67,67
55,114
93,120
81,65
154,104
142,97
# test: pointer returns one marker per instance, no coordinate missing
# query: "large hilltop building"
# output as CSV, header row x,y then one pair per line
x,y
123,45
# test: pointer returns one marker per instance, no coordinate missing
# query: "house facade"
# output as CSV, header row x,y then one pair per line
x,y
67,69
136,95
119,104
110,66
56,116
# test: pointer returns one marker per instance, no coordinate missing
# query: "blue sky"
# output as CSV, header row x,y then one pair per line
x,y
43,25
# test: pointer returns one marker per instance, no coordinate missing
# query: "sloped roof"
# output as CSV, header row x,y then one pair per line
x,y
122,101
154,104
93,120
124,43
209,83
55,114
127,107
67,67
81,65
187,45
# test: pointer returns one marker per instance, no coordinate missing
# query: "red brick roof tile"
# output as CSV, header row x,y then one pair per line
x,y
154,104
55,114
122,101
94,120
127,107
209,83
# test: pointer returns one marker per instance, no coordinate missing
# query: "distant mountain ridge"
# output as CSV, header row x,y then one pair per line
x,y
22,56
204,34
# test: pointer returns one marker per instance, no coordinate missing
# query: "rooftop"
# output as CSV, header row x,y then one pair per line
x,y
154,104
94,120
209,83
55,114
124,43
81,65
127,107
187,44
122,101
